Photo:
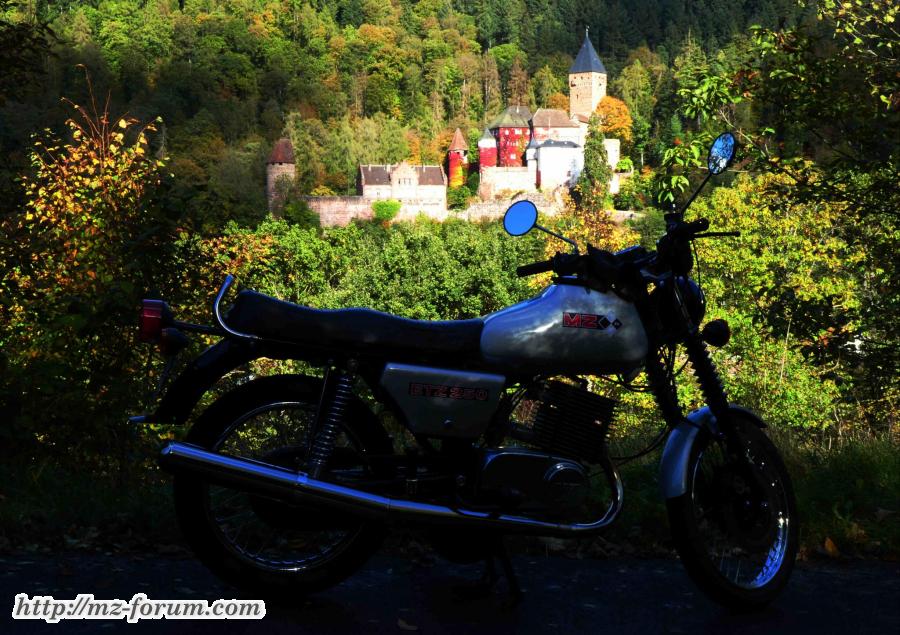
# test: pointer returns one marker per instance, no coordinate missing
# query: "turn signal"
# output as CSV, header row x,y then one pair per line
x,y
716,333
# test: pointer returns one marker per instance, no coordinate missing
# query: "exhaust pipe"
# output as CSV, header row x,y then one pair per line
x,y
265,479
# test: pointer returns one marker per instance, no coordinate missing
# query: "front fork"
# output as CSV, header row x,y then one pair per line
x,y
707,376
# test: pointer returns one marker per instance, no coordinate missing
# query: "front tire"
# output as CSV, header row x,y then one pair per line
x,y
736,526
264,547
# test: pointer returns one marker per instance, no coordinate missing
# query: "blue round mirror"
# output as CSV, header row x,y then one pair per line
x,y
520,218
721,153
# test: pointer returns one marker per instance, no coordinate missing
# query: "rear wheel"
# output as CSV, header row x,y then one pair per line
x,y
266,546
736,526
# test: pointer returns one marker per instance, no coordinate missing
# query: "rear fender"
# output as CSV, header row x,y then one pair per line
x,y
200,376
673,469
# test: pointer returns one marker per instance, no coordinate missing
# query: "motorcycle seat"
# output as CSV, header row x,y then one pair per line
x,y
362,330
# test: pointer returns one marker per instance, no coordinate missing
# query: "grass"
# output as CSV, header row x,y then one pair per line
x,y
848,494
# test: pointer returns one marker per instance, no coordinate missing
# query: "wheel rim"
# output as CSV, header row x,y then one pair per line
x,y
235,516
741,509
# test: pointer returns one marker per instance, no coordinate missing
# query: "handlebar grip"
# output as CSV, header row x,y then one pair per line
x,y
534,268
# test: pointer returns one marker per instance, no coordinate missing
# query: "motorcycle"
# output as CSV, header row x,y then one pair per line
x,y
286,484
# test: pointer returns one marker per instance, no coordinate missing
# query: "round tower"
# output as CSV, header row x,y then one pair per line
x,y
587,80
487,150
457,159
280,167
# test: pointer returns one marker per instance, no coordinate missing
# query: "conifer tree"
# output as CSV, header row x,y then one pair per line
x,y
593,184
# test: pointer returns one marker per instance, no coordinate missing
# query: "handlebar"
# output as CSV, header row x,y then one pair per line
x,y
534,268
688,230
560,264
606,268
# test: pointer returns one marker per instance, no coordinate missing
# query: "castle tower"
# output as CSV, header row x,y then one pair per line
x,y
587,80
457,159
487,150
279,167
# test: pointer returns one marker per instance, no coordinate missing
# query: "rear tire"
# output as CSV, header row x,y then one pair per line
x,y
736,526
278,406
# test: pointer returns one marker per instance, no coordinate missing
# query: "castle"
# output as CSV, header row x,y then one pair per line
x,y
523,152
519,152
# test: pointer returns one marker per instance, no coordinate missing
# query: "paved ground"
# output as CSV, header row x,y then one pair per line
x,y
393,596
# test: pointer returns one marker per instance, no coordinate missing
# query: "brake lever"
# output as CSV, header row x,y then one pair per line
x,y
717,234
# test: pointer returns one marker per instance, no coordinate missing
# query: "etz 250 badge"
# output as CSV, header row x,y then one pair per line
x,y
589,321
447,392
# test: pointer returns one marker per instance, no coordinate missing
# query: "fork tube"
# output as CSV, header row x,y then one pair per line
x,y
707,375
666,398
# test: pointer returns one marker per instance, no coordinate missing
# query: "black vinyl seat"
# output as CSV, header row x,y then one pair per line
x,y
364,330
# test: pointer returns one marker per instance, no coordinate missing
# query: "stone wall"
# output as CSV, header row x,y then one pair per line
x,y
496,180
340,210
494,210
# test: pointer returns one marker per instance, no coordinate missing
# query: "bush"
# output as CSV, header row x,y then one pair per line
x,y
634,192
625,165
474,181
458,197
297,212
386,211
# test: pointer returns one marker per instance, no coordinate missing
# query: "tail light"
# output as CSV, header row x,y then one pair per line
x,y
155,316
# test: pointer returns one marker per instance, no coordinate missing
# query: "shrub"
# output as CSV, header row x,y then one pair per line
x,y
297,212
633,192
458,197
386,211
625,165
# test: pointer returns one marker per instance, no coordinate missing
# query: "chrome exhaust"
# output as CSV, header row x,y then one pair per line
x,y
281,483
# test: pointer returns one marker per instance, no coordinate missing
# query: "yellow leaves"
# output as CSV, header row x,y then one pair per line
x,y
123,124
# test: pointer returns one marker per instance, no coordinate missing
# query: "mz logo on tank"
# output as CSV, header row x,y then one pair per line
x,y
589,321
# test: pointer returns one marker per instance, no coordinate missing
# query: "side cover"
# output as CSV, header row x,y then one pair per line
x,y
440,402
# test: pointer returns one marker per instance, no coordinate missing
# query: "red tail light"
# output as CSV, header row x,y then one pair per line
x,y
155,316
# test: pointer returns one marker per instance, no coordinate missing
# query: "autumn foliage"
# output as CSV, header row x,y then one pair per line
x,y
615,120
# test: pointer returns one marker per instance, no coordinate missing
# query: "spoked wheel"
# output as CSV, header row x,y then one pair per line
x,y
259,544
736,527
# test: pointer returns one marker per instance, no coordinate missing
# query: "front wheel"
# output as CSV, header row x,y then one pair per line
x,y
736,526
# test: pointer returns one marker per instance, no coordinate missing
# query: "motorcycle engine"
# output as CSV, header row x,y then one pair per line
x,y
569,427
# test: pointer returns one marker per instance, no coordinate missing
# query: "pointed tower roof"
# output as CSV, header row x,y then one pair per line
x,y
486,138
459,142
283,152
587,61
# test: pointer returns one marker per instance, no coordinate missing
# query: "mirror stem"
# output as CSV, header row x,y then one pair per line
x,y
560,236
696,192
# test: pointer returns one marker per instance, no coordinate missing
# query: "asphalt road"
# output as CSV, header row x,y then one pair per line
x,y
392,595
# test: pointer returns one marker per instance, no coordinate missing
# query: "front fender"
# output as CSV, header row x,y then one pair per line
x,y
673,468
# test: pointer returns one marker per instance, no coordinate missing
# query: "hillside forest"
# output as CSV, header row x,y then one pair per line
x,y
133,140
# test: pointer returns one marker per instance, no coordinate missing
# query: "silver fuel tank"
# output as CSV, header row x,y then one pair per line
x,y
566,329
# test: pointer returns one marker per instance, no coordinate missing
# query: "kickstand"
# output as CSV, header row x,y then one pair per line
x,y
515,591
489,578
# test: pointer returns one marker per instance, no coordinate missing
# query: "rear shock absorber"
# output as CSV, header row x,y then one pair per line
x,y
323,445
